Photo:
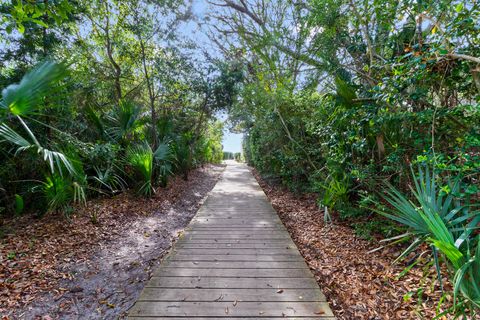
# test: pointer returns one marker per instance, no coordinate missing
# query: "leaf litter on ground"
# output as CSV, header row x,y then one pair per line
x,y
53,268
359,282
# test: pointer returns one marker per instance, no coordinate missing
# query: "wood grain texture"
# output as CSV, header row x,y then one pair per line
x,y
235,260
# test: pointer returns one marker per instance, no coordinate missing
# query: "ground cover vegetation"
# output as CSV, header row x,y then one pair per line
x,y
374,106
105,110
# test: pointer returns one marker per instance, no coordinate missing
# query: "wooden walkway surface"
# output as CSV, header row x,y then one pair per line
x,y
236,260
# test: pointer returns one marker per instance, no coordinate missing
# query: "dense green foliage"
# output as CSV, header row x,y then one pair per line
x,y
343,97
448,222
127,107
232,156
337,97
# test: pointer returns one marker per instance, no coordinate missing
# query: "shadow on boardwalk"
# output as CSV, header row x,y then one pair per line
x,y
236,260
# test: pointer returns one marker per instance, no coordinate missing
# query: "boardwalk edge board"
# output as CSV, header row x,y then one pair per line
x,y
235,260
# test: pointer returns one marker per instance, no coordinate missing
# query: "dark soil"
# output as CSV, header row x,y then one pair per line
x,y
54,269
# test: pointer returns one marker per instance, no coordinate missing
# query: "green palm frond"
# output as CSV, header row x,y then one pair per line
x,y
164,152
56,161
467,276
60,191
140,157
125,120
109,180
10,135
164,160
441,219
433,212
56,192
23,98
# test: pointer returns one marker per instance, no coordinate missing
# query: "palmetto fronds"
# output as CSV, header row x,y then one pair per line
x,y
109,180
125,121
140,157
164,160
21,100
56,161
440,219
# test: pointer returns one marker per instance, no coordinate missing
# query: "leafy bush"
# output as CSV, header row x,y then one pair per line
x,y
107,181
228,155
21,100
75,149
164,161
183,156
140,157
439,217
125,122
60,191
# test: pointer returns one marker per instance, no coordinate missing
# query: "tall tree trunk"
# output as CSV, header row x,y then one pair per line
x,y
476,77
151,96
380,146
116,67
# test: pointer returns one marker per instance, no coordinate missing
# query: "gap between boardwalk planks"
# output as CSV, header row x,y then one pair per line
x,y
235,260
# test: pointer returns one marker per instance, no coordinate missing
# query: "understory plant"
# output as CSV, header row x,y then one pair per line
x,y
442,218
107,180
335,192
21,100
164,161
140,157
60,191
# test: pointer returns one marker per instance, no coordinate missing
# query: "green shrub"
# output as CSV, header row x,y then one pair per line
x,y
228,155
140,157
107,181
438,216
164,158
61,191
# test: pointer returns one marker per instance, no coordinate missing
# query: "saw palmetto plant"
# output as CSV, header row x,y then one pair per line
x,y
448,223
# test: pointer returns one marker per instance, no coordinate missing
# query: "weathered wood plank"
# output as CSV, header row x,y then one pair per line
x,y
239,283
235,260
206,257
238,251
224,309
242,233
233,227
227,294
235,237
240,223
188,245
236,219
223,318
235,265
232,241
239,273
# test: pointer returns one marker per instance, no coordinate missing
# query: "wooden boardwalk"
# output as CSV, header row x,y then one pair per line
x,y
236,260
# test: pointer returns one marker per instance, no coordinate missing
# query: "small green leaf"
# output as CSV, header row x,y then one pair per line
x,y
20,27
40,22
19,204
459,7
